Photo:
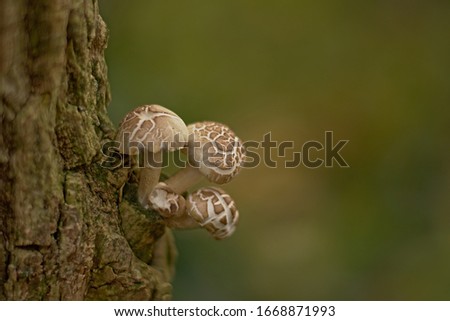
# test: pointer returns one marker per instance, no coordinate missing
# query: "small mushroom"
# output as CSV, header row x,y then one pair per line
x,y
150,130
214,151
210,208
164,200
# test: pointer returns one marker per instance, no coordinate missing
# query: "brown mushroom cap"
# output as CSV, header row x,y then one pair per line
x,y
153,128
213,209
215,150
164,200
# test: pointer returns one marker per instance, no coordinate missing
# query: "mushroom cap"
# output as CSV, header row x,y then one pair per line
x,y
213,209
152,128
164,200
215,150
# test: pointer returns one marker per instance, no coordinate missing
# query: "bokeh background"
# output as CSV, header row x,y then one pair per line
x,y
374,72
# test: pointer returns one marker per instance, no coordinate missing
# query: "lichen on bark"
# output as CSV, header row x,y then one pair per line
x,y
65,231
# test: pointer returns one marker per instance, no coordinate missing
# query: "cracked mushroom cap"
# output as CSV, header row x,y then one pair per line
x,y
153,128
213,209
215,150
164,200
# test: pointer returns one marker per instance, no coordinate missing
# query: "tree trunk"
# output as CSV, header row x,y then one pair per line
x,y
66,232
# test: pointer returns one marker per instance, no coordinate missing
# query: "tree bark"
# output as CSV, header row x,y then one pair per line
x,y
66,231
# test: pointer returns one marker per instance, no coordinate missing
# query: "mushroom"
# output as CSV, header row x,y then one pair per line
x,y
164,200
150,130
214,151
210,208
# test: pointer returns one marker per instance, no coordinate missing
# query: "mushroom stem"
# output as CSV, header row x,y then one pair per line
x,y
149,176
183,179
184,221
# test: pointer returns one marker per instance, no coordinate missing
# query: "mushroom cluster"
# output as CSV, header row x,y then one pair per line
x,y
213,151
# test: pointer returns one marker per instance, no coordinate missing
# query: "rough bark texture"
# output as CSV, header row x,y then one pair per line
x,y
66,232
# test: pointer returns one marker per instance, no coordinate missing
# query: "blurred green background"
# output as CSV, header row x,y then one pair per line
x,y
374,72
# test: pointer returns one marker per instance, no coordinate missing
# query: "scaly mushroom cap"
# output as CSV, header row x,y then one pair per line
x,y
215,150
151,127
164,200
213,209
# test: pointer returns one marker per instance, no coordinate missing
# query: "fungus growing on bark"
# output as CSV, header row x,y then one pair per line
x,y
210,208
150,130
214,151
165,201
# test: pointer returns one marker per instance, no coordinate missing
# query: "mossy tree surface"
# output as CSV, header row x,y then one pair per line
x,y
65,232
